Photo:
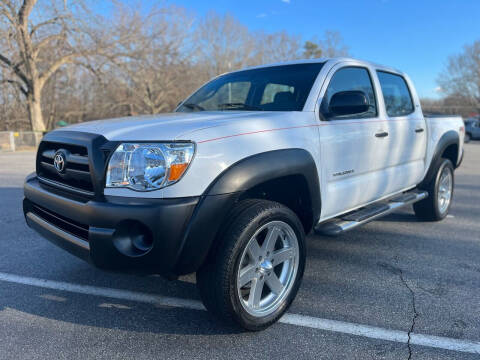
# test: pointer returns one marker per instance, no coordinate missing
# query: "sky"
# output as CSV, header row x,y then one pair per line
x,y
415,36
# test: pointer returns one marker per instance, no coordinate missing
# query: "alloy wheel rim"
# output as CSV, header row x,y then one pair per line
x,y
444,195
268,268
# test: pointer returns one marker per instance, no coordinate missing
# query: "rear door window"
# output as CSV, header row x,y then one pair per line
x,y
271,90
397,97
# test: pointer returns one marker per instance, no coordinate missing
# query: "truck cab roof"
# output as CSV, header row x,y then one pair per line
x,y
331,61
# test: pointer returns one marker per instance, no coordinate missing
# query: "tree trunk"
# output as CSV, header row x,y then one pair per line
x,y
35,112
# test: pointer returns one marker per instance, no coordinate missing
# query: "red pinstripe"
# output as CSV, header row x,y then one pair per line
x,y
297,127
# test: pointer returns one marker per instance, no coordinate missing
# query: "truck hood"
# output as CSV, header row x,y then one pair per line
x,y
170,126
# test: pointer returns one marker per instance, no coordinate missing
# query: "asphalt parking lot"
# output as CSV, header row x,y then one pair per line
x,y
412,283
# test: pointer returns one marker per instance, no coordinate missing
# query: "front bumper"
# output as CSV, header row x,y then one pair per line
x,y
129,234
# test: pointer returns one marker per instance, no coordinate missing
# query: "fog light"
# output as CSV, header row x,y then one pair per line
x,y
132,238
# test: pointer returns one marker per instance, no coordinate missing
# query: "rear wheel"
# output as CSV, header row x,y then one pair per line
x,y
467,138
440,189
253,277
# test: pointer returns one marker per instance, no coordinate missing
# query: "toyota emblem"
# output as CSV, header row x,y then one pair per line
x,y
59,161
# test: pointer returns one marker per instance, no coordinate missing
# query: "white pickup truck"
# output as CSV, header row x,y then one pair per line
x,y
229,184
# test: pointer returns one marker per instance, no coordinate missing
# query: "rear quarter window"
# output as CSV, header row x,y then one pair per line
x,y
397,96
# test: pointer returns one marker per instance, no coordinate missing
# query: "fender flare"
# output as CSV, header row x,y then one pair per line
x,y
259,168
220,197
449,138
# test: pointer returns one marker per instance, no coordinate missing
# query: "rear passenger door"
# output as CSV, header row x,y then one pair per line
x,y
354,148
407,132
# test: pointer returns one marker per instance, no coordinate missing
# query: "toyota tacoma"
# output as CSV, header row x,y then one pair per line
x,y
229,185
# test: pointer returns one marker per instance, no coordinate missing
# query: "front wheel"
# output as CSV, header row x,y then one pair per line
x,y
255,272
440,189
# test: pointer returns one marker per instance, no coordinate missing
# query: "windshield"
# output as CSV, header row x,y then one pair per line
x,y
277,88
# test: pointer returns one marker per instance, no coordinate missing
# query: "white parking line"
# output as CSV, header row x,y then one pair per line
x,y
292,319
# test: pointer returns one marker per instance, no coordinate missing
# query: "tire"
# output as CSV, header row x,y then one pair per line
x,y
225,290
467,138
433,208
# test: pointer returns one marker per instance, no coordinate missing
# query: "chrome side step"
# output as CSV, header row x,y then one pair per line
x,y
369,213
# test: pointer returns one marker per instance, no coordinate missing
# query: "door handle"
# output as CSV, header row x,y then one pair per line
x,y
419,130
381,134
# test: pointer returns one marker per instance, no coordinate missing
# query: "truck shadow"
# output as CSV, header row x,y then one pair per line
x,y
25,253
369,251
114,314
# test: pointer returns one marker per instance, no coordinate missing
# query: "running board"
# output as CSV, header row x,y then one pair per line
x,y
369,213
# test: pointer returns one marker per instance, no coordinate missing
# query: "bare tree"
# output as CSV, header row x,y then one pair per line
x,y
35,42
331,45
461,76
12,109
311,50
276,47
157,76
224,44
144,62
451,105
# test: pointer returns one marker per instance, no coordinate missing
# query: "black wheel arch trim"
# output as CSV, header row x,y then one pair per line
x,y
259,168
220,197
449,138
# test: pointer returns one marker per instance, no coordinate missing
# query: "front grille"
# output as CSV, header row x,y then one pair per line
x,y
72,227
76,173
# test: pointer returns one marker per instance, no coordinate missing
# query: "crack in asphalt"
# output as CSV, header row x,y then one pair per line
x,y
415,313
398,271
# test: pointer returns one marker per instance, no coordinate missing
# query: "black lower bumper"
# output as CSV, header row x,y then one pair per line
x,y
117,233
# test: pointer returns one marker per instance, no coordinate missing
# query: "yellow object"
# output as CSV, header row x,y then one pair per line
x,y
176,171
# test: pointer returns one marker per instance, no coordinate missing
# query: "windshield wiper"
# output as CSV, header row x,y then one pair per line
x,y
238,106
194,106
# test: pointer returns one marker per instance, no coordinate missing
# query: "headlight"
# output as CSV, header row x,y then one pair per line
x,y
148,166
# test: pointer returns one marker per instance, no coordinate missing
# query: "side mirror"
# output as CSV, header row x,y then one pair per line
x,y
348,103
